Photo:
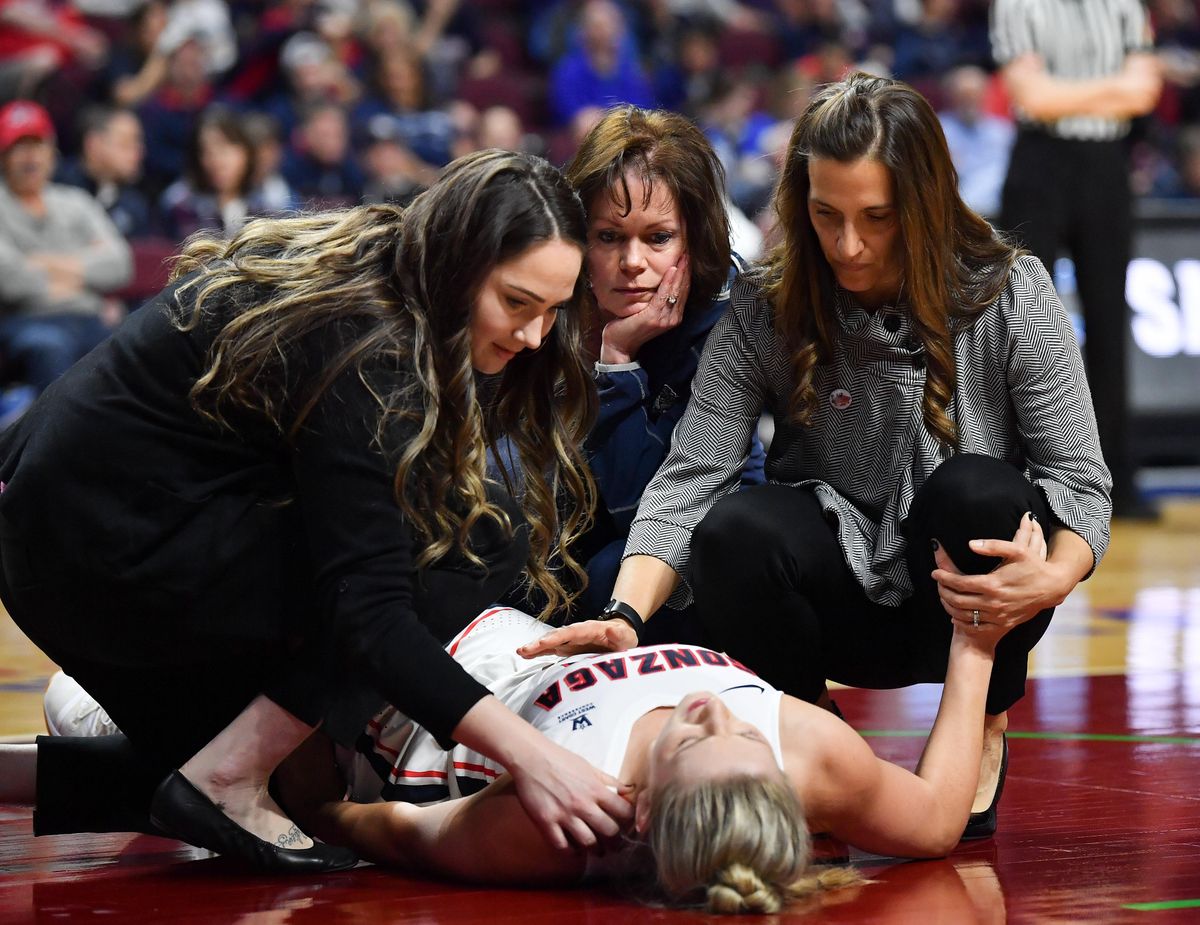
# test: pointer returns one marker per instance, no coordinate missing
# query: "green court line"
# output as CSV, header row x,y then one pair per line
x,y
1047,736
1156,907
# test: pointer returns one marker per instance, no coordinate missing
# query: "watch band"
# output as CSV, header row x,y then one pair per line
x,y
619,610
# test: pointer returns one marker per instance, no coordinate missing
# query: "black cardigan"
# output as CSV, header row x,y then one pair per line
x,y
114,476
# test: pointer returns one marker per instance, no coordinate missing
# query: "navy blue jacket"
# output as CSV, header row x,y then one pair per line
x,y
640,404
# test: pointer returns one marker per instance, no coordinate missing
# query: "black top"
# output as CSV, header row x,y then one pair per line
x,y
116,478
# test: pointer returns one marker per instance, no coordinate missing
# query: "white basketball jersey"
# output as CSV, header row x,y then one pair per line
x,y
586,703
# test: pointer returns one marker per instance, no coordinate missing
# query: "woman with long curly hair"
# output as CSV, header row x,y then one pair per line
x,y
263,505
935,456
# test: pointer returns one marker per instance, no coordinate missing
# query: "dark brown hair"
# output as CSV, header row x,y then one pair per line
x,y
230,125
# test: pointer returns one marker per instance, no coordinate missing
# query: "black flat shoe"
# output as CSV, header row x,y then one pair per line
x,y
983,824
183,812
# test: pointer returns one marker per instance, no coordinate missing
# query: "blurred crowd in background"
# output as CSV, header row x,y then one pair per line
x,y
198,114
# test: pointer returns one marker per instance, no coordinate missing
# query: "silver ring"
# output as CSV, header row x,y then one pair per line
x,y
672,299
975,618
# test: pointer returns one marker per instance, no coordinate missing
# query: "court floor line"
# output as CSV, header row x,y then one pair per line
x,y
1157,907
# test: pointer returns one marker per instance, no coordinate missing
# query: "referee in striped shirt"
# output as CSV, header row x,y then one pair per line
x,y
1077,72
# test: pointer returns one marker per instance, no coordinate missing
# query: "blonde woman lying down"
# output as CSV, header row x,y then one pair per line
x,y
727,774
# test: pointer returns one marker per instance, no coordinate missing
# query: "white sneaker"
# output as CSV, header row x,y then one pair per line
x,y
72,711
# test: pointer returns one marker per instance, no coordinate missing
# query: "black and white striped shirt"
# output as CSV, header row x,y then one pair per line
x,y
1078,40
1021,396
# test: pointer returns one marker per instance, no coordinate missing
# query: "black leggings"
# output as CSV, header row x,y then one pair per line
x,y
773,589
167,714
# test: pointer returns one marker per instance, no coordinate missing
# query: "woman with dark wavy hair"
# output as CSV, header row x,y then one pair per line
x,y
217,192
935,456
263,505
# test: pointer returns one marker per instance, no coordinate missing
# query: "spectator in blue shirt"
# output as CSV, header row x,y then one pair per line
x,y
402,101
939,40
603,69
980,143
169,116
321,167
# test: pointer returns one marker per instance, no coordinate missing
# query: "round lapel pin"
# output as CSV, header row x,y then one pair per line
x,y
840,399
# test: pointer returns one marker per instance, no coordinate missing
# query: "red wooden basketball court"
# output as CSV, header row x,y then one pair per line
x,y
1100,820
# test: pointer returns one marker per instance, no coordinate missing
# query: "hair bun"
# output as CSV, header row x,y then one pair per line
x,y
738,888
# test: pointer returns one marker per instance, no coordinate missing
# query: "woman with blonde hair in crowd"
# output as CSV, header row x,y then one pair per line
x,y
263,506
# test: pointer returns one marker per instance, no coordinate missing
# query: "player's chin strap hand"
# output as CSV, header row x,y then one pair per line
x,y
573,803
588,636
570,802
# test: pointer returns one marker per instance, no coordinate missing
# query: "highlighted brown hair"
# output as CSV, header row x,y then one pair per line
x,y
404,284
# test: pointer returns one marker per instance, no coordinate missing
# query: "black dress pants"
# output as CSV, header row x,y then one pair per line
x,y
171,693
1074,196
773,589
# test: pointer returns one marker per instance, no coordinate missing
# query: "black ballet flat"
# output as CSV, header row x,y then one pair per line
x,y
983,824
181,811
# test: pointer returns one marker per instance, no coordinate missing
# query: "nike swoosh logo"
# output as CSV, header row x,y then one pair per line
x,y
742,687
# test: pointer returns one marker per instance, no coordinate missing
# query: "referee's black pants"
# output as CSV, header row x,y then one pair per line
x,y
1075,196
773,588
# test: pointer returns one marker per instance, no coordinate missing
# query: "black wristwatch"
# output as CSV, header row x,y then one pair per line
x,y
619,610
